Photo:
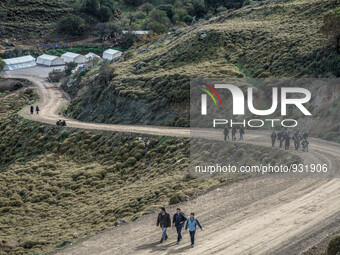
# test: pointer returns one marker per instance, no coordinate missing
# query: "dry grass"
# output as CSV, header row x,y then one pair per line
x,y
58,185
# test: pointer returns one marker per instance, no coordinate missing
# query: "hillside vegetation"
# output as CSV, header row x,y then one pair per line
x,y
274,39
59,184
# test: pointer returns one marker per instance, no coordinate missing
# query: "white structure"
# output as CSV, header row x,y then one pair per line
x,y
91,55
49,60
136,32
19,62
73,57
111,54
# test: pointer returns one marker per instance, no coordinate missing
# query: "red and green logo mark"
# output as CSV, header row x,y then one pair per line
x,y
205,89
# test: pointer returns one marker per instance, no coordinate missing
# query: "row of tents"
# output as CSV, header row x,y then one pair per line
x,y
49,60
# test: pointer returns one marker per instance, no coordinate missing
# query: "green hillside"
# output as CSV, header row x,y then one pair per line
x,y
276,39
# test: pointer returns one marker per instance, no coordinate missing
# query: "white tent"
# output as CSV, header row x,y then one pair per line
x,y
111,54
91,55
19,62
73,57
136,32
49,60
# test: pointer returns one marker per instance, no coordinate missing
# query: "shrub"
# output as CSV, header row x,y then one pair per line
x,y
69,67
331,26
72,25
333,247
187,19
56,76
176,198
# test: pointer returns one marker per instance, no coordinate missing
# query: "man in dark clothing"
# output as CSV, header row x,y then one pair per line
x,y
287,141
226,133
296,140
178,222
273,136
32,109
233,133
280,138
241,133
163,220
37,109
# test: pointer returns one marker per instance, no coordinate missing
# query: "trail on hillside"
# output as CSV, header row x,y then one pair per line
x,y
253,216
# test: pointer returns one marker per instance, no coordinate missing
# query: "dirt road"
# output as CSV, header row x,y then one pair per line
x,y
254,216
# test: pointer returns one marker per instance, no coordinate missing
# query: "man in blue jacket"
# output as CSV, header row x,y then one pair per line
x,y
192,222
178,222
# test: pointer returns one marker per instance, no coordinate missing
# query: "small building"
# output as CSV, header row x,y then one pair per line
x,y
136,32
111,54
91,55
49,60
73,57
19,62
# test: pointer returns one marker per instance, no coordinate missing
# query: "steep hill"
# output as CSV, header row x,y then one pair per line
x,y
270,39
32,18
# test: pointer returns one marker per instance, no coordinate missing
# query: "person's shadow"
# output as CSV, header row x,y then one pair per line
x,y
157,246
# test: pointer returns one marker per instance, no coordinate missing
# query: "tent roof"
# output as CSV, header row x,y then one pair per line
x,y
91,54
18,60
49,57
111,51
136,32
70,55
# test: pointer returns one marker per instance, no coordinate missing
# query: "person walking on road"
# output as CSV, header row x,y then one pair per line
x,y
163,220
233,133
37,109
241,133
192,222
32,109
287,141
178,222
226,133
273,136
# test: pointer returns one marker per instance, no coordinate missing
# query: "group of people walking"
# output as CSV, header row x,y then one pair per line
x,y
233,133
284,136
36,109
179,219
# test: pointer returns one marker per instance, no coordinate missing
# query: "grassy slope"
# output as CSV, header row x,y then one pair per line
x,y
271,40
32,18
62,184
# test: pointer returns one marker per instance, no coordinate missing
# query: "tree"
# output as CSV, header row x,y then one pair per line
x,y
147,7
157,27
159,16
168,9
131,17
331,26
69,67
104,14
199,8
187,19
72,24
91,6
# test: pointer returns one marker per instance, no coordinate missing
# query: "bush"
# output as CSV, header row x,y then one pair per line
x,y
69,67
331,26
176,198
187,19
56,76
333,247
72,25
156,27
104,14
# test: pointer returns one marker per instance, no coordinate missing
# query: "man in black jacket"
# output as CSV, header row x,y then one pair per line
x,y
178,221
164,221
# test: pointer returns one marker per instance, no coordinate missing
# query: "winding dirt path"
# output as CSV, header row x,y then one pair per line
x,y
253,216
